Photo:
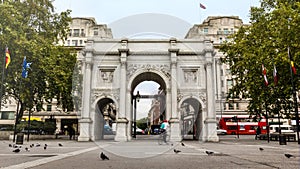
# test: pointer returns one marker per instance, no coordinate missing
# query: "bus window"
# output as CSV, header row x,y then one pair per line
x,y
231,127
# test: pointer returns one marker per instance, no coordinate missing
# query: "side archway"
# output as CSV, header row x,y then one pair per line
x,y
191,118
104,119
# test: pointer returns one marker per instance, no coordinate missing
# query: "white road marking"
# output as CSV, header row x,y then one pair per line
x,y
48,159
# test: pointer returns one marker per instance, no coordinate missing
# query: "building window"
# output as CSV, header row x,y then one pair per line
x,y
205,30
228,71
80,42
76,33
230,106
229,83
226,31
237,106
95,31
82,33
7,115
49,107
74,42
70,32
69,43
222,83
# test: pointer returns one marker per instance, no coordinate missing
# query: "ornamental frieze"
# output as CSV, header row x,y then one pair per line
x,y
106,93
132,68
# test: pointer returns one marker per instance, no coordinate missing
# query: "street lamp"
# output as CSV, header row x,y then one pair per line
x,y
136,98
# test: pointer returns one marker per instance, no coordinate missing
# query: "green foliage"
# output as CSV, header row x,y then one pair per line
x,y
31,28
274,28
142,123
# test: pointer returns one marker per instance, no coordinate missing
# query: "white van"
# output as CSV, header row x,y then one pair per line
x,y
285,128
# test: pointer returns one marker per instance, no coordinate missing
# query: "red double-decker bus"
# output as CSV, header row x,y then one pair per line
x,y
242,124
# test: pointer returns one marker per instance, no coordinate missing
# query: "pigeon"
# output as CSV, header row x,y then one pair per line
x,y
15,146
289,155
103,156
45,147
209,152
9,145
27,149
30,146
38,144
16,150
60,145
176,151
182,144
261,149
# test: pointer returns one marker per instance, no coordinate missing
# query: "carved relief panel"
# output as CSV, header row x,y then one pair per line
x,y
105,75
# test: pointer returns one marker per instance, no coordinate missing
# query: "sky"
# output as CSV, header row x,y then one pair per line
x,y
145,15
153,18
107,11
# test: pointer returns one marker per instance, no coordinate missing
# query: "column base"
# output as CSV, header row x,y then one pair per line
x,y
175,130
81,139
121,134
211,128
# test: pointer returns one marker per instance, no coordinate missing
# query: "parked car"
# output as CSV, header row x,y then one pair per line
x,y
221,132
33,131
108,130
139,131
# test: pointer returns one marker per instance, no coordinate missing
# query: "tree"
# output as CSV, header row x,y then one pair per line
x,y
142,123
274,29
31,28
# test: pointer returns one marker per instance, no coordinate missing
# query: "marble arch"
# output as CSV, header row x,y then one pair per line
x,y
111,67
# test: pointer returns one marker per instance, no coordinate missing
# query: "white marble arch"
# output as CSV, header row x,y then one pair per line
x,y
127,60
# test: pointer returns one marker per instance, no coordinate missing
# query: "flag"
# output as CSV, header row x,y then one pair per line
x,y
25,67
202,6
264,72
293,68
275,76
7,58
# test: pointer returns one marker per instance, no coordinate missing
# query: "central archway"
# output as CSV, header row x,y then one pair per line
x,y
157,112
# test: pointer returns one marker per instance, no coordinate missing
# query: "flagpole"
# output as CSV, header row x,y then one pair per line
x,y
17,112
294,96
2,81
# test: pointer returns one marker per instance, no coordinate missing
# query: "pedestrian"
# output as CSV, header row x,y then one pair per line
x,y
258,132
57,132
163,128
71,132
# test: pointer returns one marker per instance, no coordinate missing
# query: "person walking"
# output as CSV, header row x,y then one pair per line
x,y
163,129
258,132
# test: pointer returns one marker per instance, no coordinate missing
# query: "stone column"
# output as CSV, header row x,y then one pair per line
x,y
122,121
85,119
218,85
174,120
210,120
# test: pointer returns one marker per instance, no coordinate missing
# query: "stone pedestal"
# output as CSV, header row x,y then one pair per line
x,y
175,130
84,129
121,134
211,130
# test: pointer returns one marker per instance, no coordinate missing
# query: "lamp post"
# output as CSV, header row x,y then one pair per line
x,y
136,98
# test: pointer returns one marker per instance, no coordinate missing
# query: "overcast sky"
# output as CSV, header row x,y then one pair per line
x,y
107,11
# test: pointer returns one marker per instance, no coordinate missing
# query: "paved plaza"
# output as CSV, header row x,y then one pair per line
x,y
230,152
